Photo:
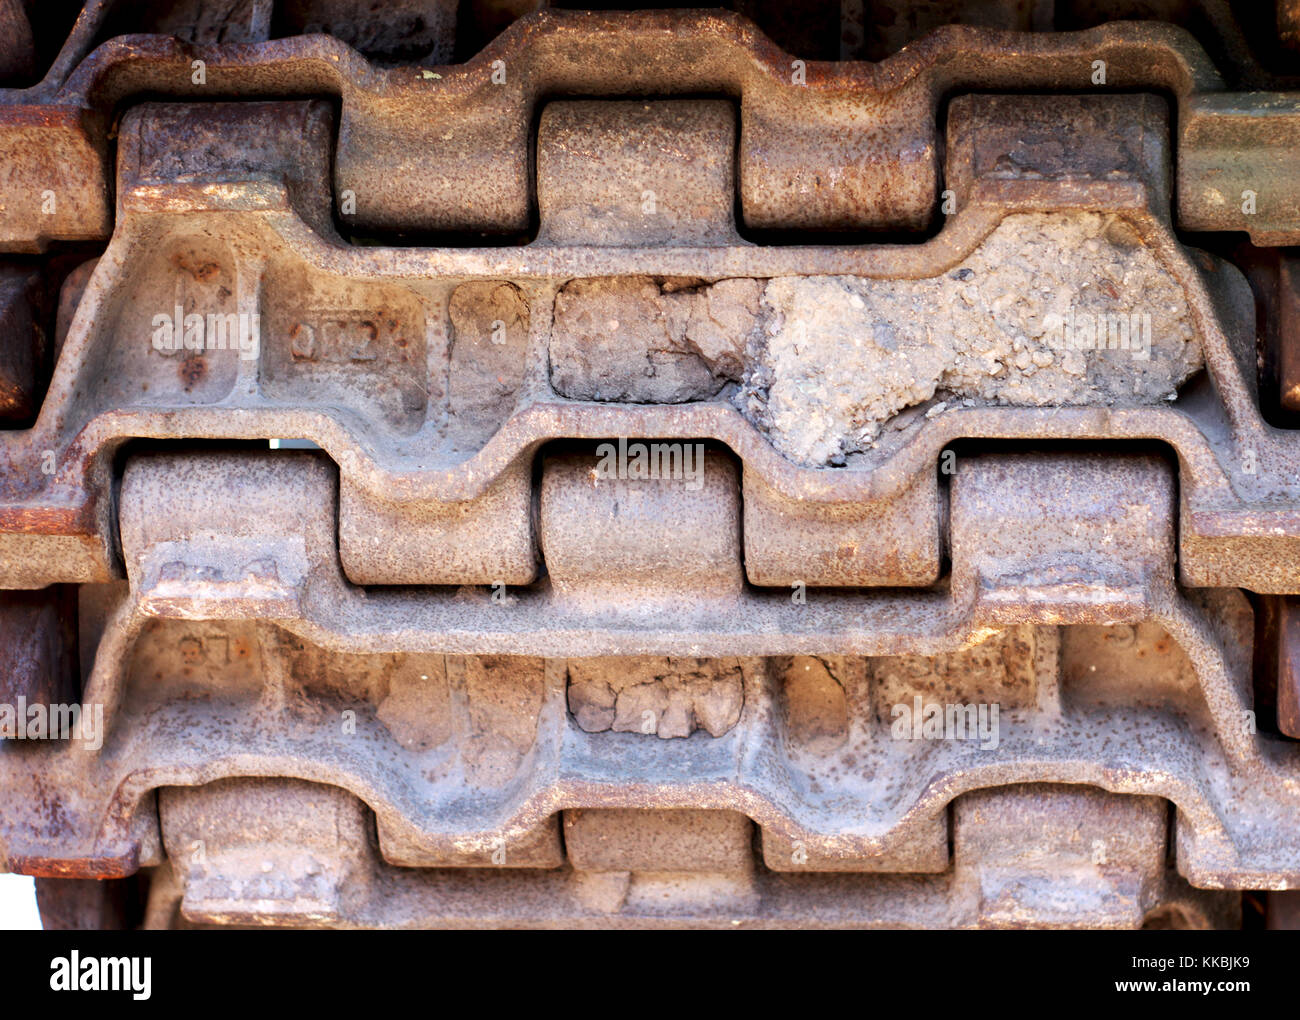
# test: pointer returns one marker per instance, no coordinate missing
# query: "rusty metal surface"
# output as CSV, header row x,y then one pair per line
x,y
1014,847
1155,701
17,48
1288,667
1283,292
806,159
463,665
1288,22
591,156
1236,152
354,355
38,634
24,348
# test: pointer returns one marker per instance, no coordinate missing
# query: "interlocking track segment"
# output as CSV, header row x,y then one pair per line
x,y
926,612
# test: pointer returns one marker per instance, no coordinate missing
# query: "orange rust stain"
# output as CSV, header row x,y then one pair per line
x,y
203,271
49,520
76,867
192,371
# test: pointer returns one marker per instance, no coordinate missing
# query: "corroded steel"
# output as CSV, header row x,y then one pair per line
x,y
564,617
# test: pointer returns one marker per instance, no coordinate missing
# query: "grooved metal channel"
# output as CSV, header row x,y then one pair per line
x,y
657,555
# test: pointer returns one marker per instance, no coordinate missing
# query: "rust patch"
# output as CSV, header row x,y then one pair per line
x,y
202,271
192,371
77,867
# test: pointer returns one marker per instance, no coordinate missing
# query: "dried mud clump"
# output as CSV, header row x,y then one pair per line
x,y
1051,310
632,339
663,695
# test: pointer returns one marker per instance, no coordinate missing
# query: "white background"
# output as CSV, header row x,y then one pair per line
x,y
18,904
